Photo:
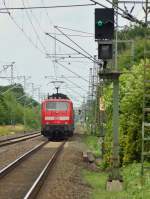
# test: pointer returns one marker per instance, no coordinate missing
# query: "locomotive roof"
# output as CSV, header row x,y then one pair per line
x,y
57,100
58,96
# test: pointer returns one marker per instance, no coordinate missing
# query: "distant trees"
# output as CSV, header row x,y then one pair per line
x,y
17,108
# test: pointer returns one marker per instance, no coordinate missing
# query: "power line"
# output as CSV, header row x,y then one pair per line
x,y
62,76
72,72
92,59
55,69
126,14
73,30
21,29
69,54
46,7
42,1
72,35
74,91
73,41
33,27
76,85
134,2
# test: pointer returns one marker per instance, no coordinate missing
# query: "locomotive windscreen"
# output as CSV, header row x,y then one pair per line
x,y
58,106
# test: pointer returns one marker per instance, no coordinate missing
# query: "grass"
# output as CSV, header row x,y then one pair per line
x,y
92,143
7,130
134,187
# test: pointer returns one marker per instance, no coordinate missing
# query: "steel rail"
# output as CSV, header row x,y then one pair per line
x,y
14,140
33,191
20,136
13,164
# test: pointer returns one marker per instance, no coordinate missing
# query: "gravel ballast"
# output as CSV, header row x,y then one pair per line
x,y
65,179
11,152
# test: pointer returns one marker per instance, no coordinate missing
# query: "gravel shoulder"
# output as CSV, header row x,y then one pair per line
x,y
65,179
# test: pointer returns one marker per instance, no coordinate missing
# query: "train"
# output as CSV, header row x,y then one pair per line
x,y
57,117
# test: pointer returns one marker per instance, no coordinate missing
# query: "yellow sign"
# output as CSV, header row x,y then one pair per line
x,y
101,104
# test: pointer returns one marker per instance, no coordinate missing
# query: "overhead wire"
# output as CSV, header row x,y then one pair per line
x,y
125,14
34,29
75,84
50,22
74,43
42,1
74,91
73,30
21,29
92,59
72,35
47,7
73,72
30,38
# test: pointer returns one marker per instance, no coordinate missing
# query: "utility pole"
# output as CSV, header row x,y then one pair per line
x,y
32,88
39,94
90,100
24,108
11,66
146,10
104,34
12,74
115,175
116,103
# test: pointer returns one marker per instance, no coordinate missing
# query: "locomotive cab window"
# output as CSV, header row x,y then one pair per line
x,y
57,106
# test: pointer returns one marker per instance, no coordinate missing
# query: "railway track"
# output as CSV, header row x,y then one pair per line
x,y
24,177
18,139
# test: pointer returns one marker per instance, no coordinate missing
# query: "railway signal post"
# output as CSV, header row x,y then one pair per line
x,y
104,31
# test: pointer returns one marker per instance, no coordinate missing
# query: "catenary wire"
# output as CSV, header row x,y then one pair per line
x,y
21,29
73,30
34,29
71,47
73,72
76,85
47,7
74,43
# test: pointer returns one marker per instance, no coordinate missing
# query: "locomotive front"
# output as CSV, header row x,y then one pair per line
x,y
57,118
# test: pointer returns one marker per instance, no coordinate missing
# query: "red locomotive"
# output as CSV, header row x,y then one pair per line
x,y
57,116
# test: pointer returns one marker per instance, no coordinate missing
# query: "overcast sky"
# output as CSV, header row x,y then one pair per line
x,y
28,46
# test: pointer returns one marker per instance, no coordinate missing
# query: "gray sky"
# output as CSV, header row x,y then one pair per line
x,y
29,60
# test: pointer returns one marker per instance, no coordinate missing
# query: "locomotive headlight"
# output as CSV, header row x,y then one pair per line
x,y
49,118
64,118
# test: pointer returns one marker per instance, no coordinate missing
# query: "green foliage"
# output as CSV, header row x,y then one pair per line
x,y
92,143
131,95
134,32
14,107
131,92
32,117
133,188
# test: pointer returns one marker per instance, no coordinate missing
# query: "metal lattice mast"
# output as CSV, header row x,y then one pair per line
x,y
90,97
145,152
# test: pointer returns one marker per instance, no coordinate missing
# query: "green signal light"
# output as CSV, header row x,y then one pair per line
x,y
100,23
